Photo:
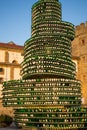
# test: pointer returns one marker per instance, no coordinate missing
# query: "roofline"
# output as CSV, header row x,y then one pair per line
x,y
11,45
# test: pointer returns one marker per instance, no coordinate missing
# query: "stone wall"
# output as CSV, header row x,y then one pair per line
x,y
79,50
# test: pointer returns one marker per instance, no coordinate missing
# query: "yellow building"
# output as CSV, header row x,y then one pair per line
x,y
79,50
11,56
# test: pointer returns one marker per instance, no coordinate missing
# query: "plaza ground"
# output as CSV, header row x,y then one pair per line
x,y
9,128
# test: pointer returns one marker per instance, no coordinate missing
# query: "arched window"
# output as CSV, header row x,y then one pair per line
x,y
15,62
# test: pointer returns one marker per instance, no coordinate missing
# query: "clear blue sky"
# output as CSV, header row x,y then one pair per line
x,y
15,17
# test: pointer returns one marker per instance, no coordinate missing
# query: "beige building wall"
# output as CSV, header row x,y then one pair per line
x,y
2,56
16,73
79,49
6,75
10,60
15,56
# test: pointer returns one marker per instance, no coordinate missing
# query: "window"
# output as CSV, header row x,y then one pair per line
x,y
1,71
15,62
1,80
82,41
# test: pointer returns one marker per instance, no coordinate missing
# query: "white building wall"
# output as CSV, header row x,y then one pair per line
x,y
15,56
6,73
2,56
17,73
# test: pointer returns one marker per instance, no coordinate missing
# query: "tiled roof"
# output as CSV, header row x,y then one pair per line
x,y
11,45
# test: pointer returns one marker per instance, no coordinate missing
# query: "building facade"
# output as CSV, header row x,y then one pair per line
x,y
11,56
79,51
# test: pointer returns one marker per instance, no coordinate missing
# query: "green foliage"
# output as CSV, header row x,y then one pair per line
x,y
5,120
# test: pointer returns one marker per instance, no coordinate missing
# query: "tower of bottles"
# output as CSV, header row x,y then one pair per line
x,y
48,95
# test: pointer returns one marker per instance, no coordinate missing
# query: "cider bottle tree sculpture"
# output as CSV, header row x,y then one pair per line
x,y
48,95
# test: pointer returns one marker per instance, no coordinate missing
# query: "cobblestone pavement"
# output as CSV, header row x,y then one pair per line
x,y
9,128
12,127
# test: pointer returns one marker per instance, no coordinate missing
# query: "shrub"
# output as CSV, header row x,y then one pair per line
x,y
5,120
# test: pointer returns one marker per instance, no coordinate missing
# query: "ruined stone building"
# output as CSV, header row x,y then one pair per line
x,y
79,53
